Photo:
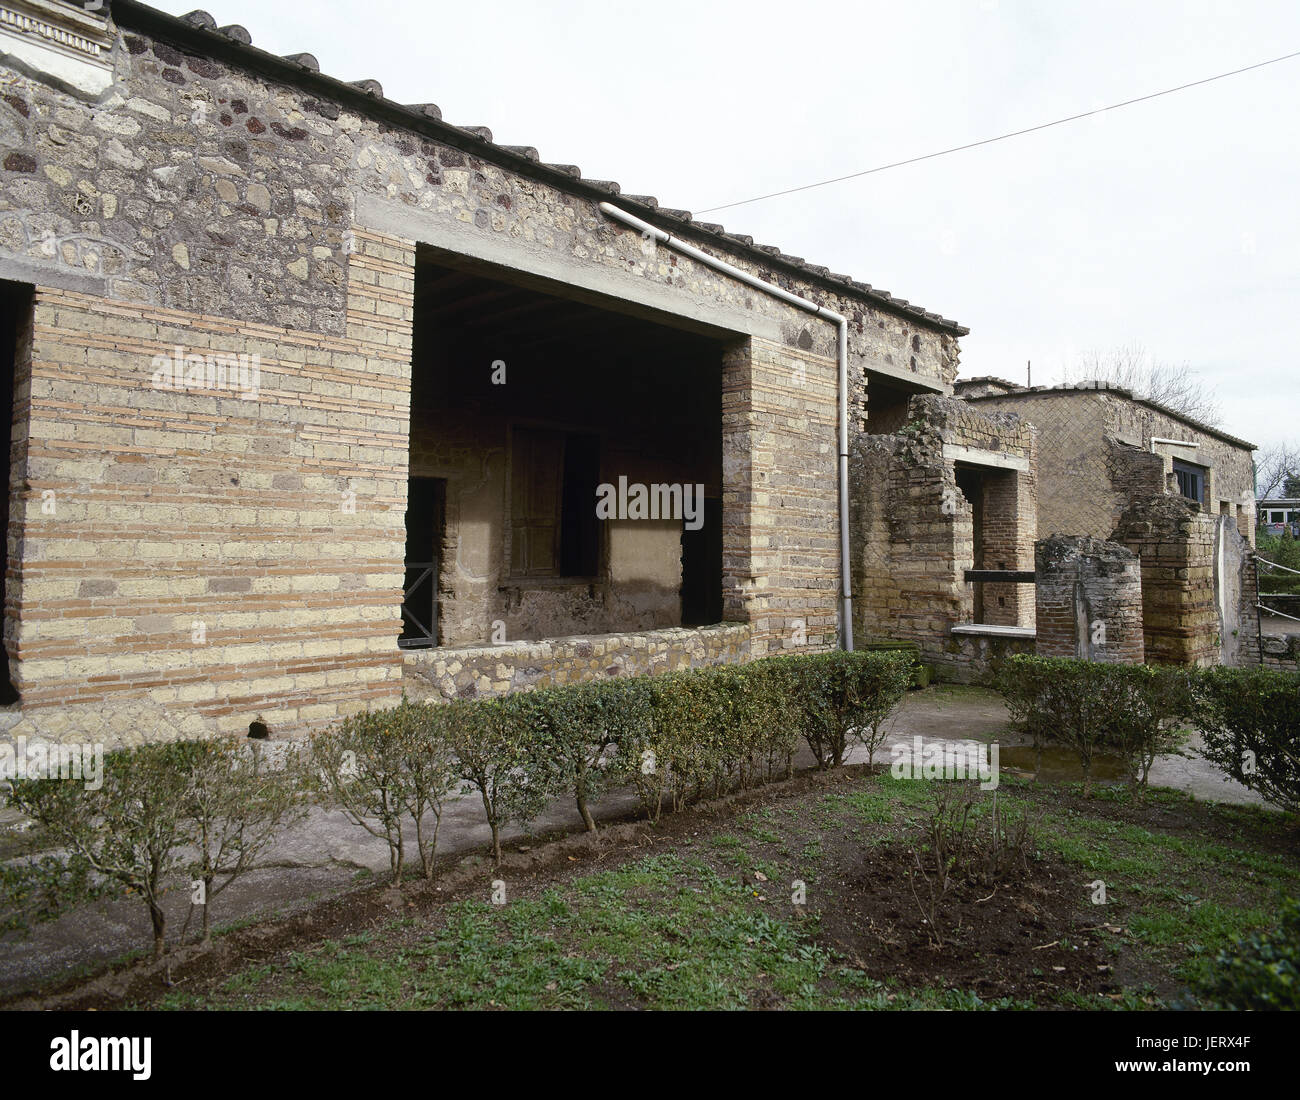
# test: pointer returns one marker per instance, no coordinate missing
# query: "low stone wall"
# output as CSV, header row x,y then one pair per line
x,y
1280,651
472,672
971,654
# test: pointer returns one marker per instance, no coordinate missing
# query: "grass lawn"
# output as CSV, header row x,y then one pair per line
x,y
701,912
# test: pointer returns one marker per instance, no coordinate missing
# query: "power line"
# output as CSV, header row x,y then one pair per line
x,y
1001,137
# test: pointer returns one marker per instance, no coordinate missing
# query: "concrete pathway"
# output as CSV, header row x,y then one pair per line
x,y
326,854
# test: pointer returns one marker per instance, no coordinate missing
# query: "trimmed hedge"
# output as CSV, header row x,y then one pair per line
x,y
1250,719
201,810
208,810
1135,711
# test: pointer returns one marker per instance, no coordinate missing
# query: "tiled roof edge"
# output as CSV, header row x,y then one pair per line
x,y
361,96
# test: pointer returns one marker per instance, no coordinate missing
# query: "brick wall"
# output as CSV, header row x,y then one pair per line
x,y
219,555
1095,457
913,536
210,560
1176,546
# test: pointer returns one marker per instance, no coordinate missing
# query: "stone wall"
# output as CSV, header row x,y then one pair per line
x,y
974,657
471,672
1175,543
1095,456
200,185
1281,652
1089,600
187,561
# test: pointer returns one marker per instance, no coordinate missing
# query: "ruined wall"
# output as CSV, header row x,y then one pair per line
x,y
471,672
1095,458
972,658
1176,545
1089,600
1230,476
912,534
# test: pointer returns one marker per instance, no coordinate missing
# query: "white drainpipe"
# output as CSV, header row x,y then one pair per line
x,y
842,349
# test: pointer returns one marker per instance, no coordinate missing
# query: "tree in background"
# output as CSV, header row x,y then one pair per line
x,y
1133,368
1277,471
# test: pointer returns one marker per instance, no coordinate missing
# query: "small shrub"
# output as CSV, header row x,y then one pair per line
x,y
765,712
383,768
131,830
581,724
1250,721
1134,711
1260,971
846,697
965,840
239,795
502,752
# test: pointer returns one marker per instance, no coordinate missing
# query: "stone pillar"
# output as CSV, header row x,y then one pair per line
x,y
1088,595
1175,543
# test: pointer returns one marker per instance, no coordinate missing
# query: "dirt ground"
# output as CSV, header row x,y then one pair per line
x,y
1032,939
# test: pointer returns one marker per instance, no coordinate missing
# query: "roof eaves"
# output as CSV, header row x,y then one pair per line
x,y
1116,391
198,31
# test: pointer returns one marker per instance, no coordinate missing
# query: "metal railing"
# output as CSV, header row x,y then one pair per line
x,y
423,635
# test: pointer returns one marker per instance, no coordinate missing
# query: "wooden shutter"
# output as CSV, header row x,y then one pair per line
x,y
536,479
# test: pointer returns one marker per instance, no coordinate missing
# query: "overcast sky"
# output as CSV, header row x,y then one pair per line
x,y
1173,223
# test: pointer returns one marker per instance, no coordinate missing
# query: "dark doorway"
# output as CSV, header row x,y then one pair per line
x,y
15,323
425,519
702,569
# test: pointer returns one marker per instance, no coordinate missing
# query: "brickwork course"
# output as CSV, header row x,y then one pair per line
x,y
192,548
1175,543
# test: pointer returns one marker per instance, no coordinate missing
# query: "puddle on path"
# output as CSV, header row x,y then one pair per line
x,y
1059,765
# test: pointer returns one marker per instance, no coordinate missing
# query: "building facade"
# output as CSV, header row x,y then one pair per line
x,y
311,393
1101,448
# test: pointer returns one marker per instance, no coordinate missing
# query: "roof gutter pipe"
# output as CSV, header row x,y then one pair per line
x,y
842,353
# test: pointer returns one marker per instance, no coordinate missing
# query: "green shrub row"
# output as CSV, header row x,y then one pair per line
x,y
1249,717
202,809
207,810
671,737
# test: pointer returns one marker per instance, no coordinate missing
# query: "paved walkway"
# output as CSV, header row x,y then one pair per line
x,y
326,853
